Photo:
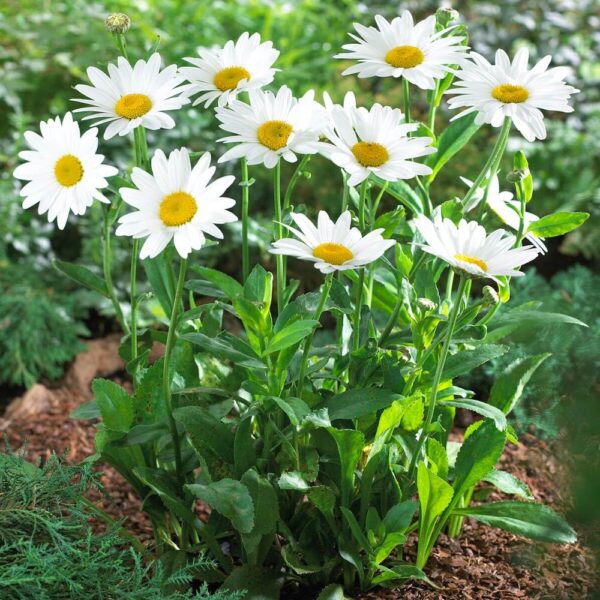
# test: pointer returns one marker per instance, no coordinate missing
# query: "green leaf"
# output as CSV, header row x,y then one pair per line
x,y
355,528
222,348
477,456
82,275
467,360
524,186
140,434
244,453
452,140
509,385
266,507
438,457
481,408
359,402
206,431
334,591
229,498
114,403
558,223
399,517
88,410
398,573
295,409
259,287
258,583
434,496
228,285
290,335
508,484
160,275
529,519
350,444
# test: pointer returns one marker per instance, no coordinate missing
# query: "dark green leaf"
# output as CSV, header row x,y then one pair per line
x,y
467,360
531,520
481,408
222,348
359,402
114,403
82,275
228,285
290,335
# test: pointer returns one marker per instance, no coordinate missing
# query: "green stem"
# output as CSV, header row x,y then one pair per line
x,y
361,278
245,202
495,156
406,99
438,376
120,42
167,374
107,267
278,234
309,340
521,231
389,326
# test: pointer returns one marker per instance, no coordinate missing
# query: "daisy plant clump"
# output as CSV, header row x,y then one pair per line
x,y
312,414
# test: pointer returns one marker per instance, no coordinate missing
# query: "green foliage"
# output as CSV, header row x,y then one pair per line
x,y
48,549
38,333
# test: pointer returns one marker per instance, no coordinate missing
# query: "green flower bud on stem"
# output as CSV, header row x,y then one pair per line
x,y
426,305
517,175
445,15
490,296
117,23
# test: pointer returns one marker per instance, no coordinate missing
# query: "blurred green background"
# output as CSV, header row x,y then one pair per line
x,y
46,46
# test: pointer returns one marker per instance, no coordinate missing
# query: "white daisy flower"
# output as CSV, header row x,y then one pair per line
x,y
271,126
467,248
176,202
375,141
64,172
237,67
401,48
505,208
132,96
506,89
332,246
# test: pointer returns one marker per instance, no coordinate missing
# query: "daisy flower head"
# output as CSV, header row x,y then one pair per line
x,y
63,170
511,89
506,208
220,74
129,97
375,141
176,202
401,48
467,248
271,126
332,246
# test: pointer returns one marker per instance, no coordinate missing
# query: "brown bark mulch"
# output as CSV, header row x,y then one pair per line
x,y
483,563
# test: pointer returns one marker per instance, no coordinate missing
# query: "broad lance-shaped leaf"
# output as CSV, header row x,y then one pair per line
x,y
454,138
558,223
508,483
115,405
159,275
481,408
529,519
359,402
222,348
509,385
229,498
434,496
290,335
350,444
82,275
228,285
477,456
465,361
266,506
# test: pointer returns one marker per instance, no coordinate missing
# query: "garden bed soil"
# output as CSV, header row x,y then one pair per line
x,y
484,563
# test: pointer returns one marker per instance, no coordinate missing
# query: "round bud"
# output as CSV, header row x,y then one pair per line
x,y
117,23
426,305
517,175
490,296
445,15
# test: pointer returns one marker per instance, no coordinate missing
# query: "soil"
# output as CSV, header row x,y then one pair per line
x,y
483,563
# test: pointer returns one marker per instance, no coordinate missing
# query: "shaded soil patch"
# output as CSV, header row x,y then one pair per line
x,y
484,563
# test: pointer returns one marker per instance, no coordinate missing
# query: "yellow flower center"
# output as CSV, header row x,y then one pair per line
x,y
229,77
274,134
177,209
510,94
68,170
405,57
370,154
133,106
473,260
334,254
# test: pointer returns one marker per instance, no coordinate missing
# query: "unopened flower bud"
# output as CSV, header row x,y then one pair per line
x,y
490,296
517,175
117,23
445,15
426,304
